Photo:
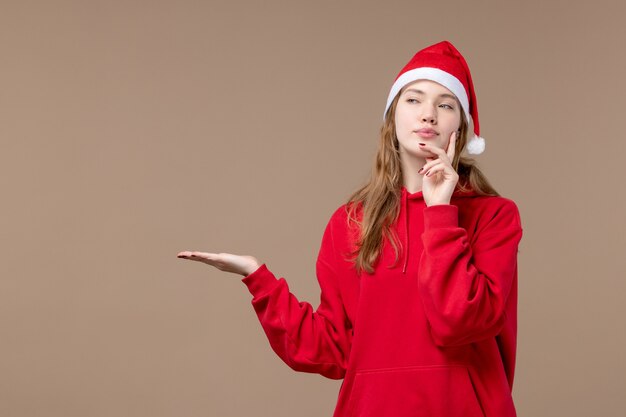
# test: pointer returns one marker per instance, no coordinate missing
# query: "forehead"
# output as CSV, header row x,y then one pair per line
x,y
428,87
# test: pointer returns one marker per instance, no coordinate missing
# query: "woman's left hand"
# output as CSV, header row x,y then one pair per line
x,y
438,176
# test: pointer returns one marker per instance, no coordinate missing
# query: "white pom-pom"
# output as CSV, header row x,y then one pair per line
x,y
476,145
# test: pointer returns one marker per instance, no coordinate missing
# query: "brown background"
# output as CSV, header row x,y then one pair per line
x,y
133,130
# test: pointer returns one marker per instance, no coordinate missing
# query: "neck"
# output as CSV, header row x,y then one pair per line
x,y
412,181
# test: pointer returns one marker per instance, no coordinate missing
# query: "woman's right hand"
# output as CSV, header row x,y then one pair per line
x,y
242,265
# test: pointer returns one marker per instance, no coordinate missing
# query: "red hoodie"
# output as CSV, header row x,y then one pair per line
x,y
432,335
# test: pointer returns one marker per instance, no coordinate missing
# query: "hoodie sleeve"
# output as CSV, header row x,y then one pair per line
x,y
308,340
464,287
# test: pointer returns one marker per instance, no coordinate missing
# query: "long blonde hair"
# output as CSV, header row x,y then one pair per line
x,y
379,198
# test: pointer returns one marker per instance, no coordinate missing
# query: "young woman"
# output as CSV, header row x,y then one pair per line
x,y
417,270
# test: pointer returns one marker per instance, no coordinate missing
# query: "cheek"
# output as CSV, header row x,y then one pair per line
x,y
453,123
402,117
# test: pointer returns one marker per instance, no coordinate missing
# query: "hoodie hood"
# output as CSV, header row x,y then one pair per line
x,y
406,199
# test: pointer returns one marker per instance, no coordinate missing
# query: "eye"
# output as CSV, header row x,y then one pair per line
x,y
412,100
449,107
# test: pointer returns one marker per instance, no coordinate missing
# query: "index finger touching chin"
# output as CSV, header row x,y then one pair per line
x,y
452,145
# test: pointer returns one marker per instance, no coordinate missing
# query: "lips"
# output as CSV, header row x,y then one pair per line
x,y
426,133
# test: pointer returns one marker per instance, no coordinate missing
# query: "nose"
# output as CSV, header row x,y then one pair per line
x,y
428,114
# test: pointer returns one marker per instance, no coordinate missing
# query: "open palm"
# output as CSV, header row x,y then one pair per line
x,y
228,262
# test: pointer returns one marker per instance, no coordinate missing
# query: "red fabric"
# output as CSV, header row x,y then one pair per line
x,y
438,339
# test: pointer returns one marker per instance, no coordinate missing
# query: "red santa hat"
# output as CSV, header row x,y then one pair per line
x,y
444,64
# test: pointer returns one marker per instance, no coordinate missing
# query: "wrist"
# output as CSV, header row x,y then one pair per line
x,y
438,203
251,268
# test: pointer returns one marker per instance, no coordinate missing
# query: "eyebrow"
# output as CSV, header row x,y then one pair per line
x,y
445,95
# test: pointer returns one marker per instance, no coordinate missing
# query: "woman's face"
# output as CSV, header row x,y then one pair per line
x,y
425,104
